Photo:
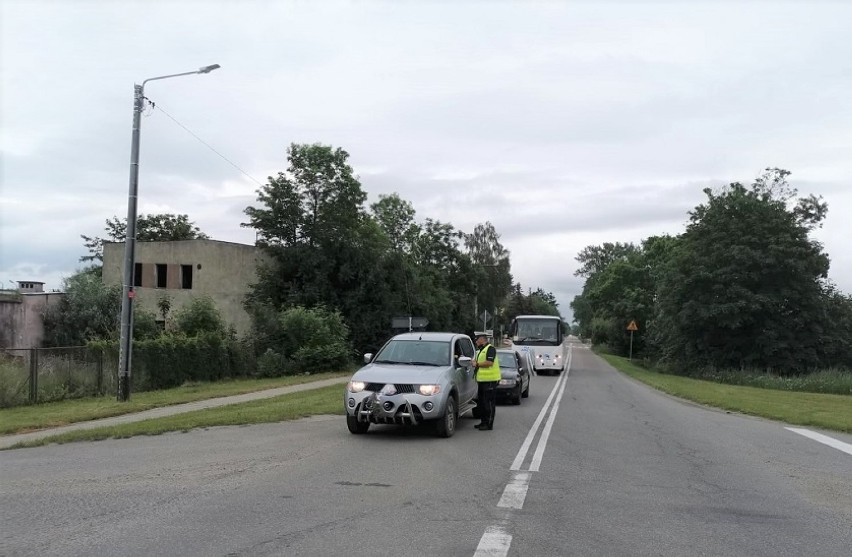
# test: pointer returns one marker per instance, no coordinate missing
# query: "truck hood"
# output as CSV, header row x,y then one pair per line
x,y
400,373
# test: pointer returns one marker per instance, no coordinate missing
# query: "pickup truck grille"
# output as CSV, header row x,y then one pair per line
x,y
400,388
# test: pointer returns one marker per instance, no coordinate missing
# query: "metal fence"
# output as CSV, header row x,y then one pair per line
x,y
32,375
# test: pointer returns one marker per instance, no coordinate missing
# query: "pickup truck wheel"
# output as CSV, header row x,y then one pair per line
x,y
355,426
446,426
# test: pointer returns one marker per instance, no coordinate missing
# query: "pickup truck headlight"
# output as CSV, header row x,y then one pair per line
x,y
429,390
356,386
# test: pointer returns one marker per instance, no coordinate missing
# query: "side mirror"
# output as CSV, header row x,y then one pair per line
x,y
464,361
368,357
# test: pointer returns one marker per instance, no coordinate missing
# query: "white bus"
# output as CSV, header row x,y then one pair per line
x,y
543,338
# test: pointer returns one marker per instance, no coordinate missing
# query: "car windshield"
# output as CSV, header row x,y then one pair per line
x,y
415,352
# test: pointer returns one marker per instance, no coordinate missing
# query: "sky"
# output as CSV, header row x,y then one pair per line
x,y
565,124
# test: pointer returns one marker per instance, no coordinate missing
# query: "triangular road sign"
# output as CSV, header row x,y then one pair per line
x,y
633,326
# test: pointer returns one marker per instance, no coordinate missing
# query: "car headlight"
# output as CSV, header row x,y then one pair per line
x,y
429,390
356,386
507,382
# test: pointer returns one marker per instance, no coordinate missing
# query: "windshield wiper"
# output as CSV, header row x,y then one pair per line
x,y
386,362
422,364
529,338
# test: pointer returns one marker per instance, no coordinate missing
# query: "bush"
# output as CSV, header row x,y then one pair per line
x,y
199,316
272,364
301,340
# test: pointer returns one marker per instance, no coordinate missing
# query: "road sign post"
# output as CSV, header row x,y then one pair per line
x,y
632,327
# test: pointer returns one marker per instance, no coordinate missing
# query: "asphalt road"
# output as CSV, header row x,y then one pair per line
x,y
591,464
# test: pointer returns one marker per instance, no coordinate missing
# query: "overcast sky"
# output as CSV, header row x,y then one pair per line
x,y
564,124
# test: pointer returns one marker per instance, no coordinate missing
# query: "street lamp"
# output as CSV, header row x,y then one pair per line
x,y
124,347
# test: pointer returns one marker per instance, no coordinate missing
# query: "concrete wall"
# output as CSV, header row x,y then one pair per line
x,y
21,324
221,270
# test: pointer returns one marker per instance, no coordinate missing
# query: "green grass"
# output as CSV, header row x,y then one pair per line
x,y
827,411
326,400
55,414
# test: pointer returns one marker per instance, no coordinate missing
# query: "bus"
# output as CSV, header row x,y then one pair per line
x,y
542,336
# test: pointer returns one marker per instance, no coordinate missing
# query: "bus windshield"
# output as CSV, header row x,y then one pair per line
x,y
537,331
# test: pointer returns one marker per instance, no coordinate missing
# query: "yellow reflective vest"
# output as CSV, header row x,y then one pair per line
x,y
492,373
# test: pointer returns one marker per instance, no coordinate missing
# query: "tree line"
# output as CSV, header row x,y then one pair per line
x,y
744,287
336,267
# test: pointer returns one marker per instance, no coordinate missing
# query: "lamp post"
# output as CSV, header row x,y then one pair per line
x,y
126,332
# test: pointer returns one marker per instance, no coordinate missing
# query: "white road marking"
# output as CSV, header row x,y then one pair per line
x,y
495,542
545,434
824,439
516,491
525,446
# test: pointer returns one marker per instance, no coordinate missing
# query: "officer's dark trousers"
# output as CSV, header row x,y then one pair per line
x,y
487,400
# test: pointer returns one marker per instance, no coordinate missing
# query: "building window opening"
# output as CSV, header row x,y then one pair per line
x,y
186,277
137,274
162,271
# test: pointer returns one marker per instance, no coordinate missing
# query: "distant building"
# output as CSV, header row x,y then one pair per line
x,y
21,324
183,270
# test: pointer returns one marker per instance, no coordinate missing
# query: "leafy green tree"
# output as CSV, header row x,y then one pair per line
x,y
396,218
743,287
149,228
492,266
89,311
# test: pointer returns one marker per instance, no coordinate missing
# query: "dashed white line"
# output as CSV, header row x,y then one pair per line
x,y
516,491
495,542
824,439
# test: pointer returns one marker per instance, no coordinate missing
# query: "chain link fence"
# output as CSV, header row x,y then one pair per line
x,y
33,375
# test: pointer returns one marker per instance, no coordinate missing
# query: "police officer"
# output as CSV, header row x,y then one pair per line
x,y
487,377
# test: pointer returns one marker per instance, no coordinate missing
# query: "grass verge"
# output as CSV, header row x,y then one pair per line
x,y
827,411
54,414
326,400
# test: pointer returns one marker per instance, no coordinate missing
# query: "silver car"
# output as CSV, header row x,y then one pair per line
x,y
414,378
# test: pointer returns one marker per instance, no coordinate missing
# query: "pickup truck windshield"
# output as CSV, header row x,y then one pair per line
x,y
415,353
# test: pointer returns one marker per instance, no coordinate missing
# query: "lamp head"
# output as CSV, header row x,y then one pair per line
x,y
208,69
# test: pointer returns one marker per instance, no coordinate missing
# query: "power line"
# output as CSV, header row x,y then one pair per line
x,y
155,106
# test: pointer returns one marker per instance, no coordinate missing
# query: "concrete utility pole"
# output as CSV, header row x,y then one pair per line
x,y
126,333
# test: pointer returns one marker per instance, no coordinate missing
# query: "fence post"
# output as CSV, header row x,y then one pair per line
x,y
34,375
100,368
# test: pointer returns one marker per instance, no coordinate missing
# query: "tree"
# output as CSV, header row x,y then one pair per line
x,y
594,259
743,287
491,263
396,218
150,228
324,249
89,310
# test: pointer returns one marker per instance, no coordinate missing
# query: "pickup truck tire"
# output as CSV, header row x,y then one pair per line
x,y
446,426
355,426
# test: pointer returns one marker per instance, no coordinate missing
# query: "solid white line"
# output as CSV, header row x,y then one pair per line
x,y
522,452
516,491
545,434
495,542
824,439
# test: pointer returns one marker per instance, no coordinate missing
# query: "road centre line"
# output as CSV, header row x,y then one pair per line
x,y
545,434
516,491
824,439
525,446
495,542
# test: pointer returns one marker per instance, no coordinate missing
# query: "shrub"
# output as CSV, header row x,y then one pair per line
x,y
198,316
